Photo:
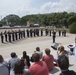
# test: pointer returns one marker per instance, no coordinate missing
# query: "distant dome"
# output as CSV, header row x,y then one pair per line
x,y
10,16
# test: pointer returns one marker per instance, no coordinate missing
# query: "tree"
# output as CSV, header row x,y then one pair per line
x,y
73,28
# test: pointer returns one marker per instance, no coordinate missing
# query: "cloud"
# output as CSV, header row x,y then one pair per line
x,y
11,6
62,5
24,7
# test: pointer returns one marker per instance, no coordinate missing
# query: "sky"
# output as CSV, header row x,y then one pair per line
x,y
28,7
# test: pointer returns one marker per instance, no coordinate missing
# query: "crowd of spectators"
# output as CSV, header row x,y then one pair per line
x,y
36,64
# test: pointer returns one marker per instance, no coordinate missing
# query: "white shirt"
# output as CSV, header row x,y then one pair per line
x,y
75,52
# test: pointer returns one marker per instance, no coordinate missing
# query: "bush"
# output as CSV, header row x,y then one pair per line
x,y
73,28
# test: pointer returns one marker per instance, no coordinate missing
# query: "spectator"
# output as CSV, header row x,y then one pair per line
x,y
39,67
19,69
61,51
25,56
3,66
71,47
63,63
39,52
75,49
48,59
13,60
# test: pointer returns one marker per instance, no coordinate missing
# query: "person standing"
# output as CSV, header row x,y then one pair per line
x,y
27,32
24,33
25,56
46,32
19,31
65,33
59,32
9,36
54,36
5,33
16,37
12,60
50,32
34,31
30,32
2,37
41,32
13,37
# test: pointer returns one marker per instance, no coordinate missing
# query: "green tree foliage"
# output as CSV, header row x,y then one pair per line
x,y
73,28
58,19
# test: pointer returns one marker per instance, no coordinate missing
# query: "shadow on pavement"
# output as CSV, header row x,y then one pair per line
x,y
54,70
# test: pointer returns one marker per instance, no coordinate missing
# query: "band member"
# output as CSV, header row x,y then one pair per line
x,y
41,32
13,36
16,35
24,33
34,31
31,32
59,32
64,33
46,32
9,36
19,34
5,33
37,32
27,32
2,37
54,36
50,32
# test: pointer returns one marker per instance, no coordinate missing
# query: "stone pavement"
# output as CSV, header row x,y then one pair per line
x,y
29,44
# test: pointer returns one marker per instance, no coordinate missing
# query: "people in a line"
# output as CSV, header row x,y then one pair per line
x,y
48,59
3,66
38,67
63,63
27,58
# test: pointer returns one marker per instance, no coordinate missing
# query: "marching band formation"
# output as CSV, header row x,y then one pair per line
x,y
14,35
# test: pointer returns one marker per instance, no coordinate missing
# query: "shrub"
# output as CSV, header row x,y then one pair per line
x,y
73,28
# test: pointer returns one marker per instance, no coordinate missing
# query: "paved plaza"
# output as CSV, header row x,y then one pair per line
x,y
29,44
